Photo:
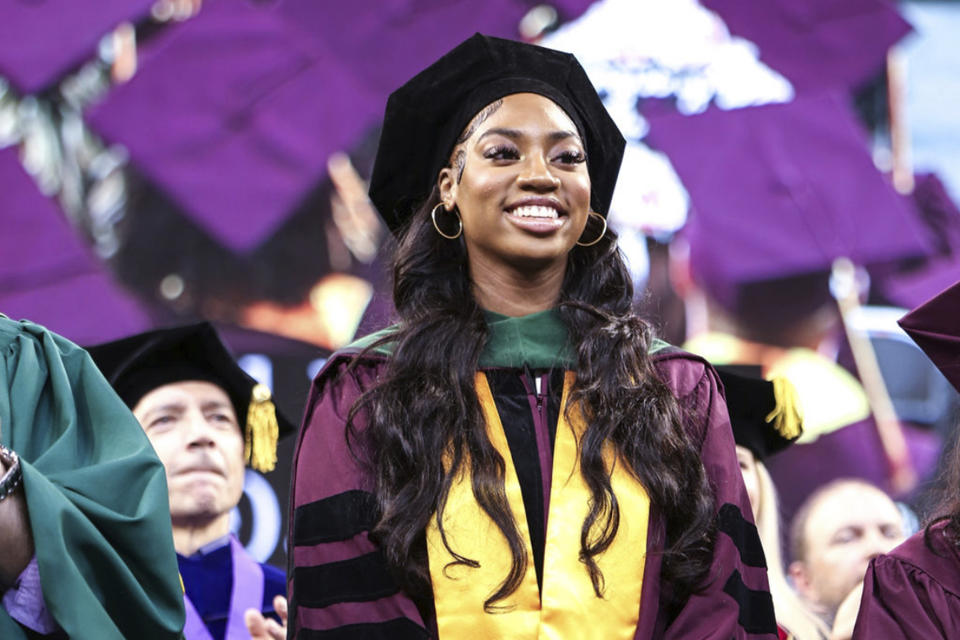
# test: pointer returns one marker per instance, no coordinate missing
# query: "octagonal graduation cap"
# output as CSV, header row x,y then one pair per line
x,y
779,192
817,43
935,327
233,114
764,414
43,40
47,273
138,364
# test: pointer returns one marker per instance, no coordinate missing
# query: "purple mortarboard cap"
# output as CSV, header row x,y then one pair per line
x,y
385,43
47,275
941,269
42,40
234,113
935,327
817,43
779,192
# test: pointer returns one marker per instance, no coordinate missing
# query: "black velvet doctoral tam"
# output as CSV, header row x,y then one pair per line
x,y
425,116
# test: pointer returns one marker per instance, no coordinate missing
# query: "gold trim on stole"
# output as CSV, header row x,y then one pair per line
x,y
568,608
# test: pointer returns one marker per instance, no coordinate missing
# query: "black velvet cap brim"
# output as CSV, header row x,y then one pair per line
x,y
750,399
425,116
136,365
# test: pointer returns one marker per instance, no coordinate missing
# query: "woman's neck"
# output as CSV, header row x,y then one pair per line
x,y
516,292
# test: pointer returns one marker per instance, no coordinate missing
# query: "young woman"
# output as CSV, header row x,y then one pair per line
x,y
914,591
517,457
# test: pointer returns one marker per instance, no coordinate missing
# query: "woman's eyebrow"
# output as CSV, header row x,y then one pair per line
x,y
500,131
516,133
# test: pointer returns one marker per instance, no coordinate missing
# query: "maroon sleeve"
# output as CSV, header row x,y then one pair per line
x,y
338,582
735,601
901,601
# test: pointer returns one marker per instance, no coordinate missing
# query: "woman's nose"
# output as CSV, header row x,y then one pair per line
x,y
536,174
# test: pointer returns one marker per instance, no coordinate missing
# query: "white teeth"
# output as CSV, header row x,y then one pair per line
x,y
535,212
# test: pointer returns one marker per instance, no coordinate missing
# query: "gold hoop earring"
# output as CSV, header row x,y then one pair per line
x,y
433,216
603,231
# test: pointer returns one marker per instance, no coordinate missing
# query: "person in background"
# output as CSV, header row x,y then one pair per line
x,y
205,417
766,420
86,549
833,537
914,590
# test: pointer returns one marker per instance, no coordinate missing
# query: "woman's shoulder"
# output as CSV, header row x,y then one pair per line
x,y
929,555
683,372
369,352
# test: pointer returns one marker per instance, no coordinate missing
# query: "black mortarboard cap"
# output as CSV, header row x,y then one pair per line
x,y
763,413
137,364
425,116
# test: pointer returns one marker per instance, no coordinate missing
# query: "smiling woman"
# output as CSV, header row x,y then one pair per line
x,y
518,456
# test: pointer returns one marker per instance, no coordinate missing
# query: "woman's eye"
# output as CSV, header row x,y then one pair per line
x,y
572,157
501,153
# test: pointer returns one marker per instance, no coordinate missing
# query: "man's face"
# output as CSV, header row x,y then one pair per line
x,y
193,428
844,530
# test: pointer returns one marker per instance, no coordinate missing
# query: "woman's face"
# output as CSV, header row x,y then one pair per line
x,y
520,182
751,477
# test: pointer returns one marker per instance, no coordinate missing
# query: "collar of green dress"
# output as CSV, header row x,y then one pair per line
x,y
537,340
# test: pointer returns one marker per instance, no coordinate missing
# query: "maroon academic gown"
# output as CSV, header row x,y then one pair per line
x,y
913,592
339,585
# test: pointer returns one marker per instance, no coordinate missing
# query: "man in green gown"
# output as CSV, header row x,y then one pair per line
x,y
87,547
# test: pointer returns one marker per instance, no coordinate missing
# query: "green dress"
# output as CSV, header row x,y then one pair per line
x,y
96,493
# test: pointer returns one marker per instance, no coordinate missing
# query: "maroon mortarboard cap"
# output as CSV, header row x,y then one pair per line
x,y
42,40
387,43
817,43
777,193
940,269
47,275
234,113
935,327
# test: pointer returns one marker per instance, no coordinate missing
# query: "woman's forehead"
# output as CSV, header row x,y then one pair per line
x,y
521,112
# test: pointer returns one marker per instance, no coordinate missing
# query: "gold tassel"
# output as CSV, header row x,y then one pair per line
x,y
786,416
262,432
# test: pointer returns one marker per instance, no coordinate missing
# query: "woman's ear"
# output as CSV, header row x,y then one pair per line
x,y
447,184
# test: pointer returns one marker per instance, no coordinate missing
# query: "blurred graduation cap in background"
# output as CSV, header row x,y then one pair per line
x,y
48,275
778,192
386,43
43,40
935,327
233,114
942,267
817,43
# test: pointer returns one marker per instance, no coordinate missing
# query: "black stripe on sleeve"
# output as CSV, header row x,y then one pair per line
x,y
744,534
397,629
756,607
359,579
338,517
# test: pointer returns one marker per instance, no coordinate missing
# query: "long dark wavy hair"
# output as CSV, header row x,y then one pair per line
x,y
944,500
425,403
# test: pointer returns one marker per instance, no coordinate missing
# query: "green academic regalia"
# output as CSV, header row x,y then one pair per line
x,y
96,493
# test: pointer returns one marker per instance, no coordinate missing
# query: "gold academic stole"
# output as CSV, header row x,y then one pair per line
x,y
568,606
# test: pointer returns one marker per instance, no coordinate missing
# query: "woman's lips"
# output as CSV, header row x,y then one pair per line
x,y
538,219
